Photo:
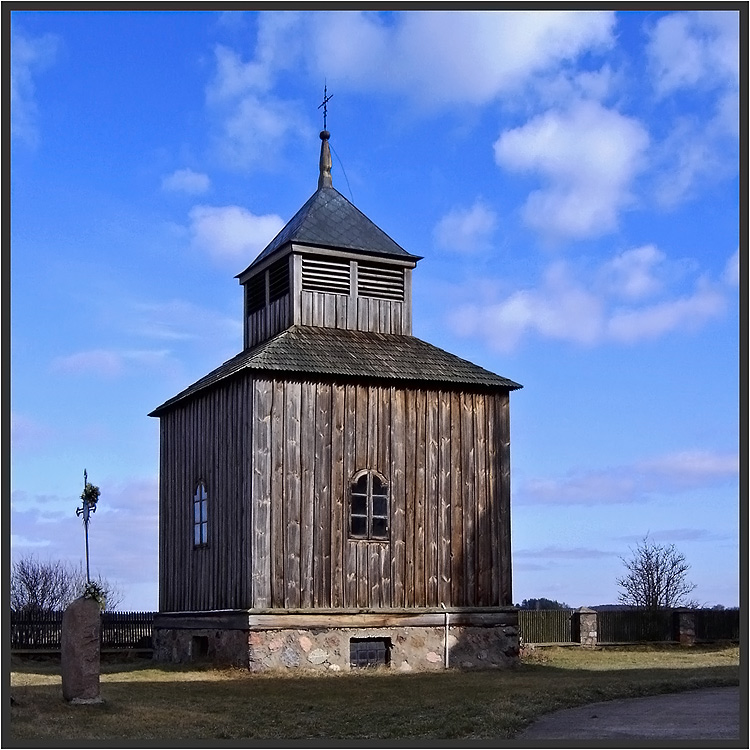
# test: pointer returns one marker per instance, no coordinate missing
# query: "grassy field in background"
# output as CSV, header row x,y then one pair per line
x,y
148,702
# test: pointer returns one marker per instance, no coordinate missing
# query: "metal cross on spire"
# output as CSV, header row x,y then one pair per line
x,y
326,99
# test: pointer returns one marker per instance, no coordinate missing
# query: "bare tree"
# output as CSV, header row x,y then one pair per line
x,y
656,577
43,586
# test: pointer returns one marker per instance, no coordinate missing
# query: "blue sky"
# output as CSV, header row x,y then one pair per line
x,y
571,179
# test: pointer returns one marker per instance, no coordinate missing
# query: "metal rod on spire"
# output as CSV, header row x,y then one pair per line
x,y
324,104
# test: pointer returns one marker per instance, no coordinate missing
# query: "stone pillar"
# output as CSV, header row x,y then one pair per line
x,y
80,649
585,627
684,626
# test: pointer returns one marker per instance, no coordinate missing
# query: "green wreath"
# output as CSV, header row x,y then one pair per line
x,y
90,494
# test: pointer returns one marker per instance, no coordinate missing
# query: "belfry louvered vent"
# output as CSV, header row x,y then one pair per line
x,y
256,293
382,282
325,275
278,279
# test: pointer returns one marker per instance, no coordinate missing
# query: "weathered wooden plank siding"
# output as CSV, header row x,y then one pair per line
x,y
338,519
260,545
432,497
278,515
319,491
291,492
203,441
338,311
278,458
483,552
350,464
456,504
398,490
272,319
503,442
444,494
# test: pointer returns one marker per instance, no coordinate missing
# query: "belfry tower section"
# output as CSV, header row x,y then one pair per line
x,y
329,267
337,494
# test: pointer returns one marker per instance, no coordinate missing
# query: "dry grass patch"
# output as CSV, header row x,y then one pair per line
x,y
148,702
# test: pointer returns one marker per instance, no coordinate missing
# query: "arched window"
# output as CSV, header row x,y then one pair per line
x,y
368,506
200,516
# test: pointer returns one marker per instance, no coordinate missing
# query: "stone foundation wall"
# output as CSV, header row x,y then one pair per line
x,y
179,645
412,648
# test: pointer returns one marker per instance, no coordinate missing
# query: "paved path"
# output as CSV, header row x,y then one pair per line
x,y
712,713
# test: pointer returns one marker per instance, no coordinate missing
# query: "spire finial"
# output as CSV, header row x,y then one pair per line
x,y
324,104
325,150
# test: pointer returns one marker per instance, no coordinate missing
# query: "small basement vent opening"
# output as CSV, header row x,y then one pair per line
x,y
199,647
369,652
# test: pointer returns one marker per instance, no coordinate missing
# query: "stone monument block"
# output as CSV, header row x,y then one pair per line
x,y
80,650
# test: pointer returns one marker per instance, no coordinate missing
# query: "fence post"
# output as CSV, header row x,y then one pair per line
x,y
585,627
684,626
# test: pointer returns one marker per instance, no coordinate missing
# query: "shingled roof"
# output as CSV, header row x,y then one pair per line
x,y
307,351
329,220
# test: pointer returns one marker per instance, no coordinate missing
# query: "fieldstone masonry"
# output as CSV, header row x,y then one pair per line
x,y
586,627
685,627
80,649
418,648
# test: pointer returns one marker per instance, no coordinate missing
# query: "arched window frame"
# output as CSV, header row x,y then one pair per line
x,y
369,507
200,516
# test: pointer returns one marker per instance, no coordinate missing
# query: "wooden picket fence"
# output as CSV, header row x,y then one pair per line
x,y
635,626
627,626
717,625
41,631
546,625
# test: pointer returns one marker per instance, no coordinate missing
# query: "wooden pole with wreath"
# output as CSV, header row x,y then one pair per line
x,y
90,497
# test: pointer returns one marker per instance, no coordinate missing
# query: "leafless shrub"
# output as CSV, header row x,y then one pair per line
x,y
656,577
49,585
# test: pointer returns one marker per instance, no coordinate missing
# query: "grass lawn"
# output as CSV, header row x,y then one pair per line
x,y
148,702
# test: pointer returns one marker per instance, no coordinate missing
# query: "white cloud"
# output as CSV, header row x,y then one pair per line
x,y
109,362
466,229
731,275
443,58
435,59
559,309
563,86
691,468
22,543
696,54
632,272
177,321
28,57
585,306
696,48
26,432
684,157
637,482
232,233
255,130
651,322
186,181
95,362
563,553
588,156
253,123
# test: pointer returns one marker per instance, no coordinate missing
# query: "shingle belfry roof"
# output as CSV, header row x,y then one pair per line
x,y
332,352
328,219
